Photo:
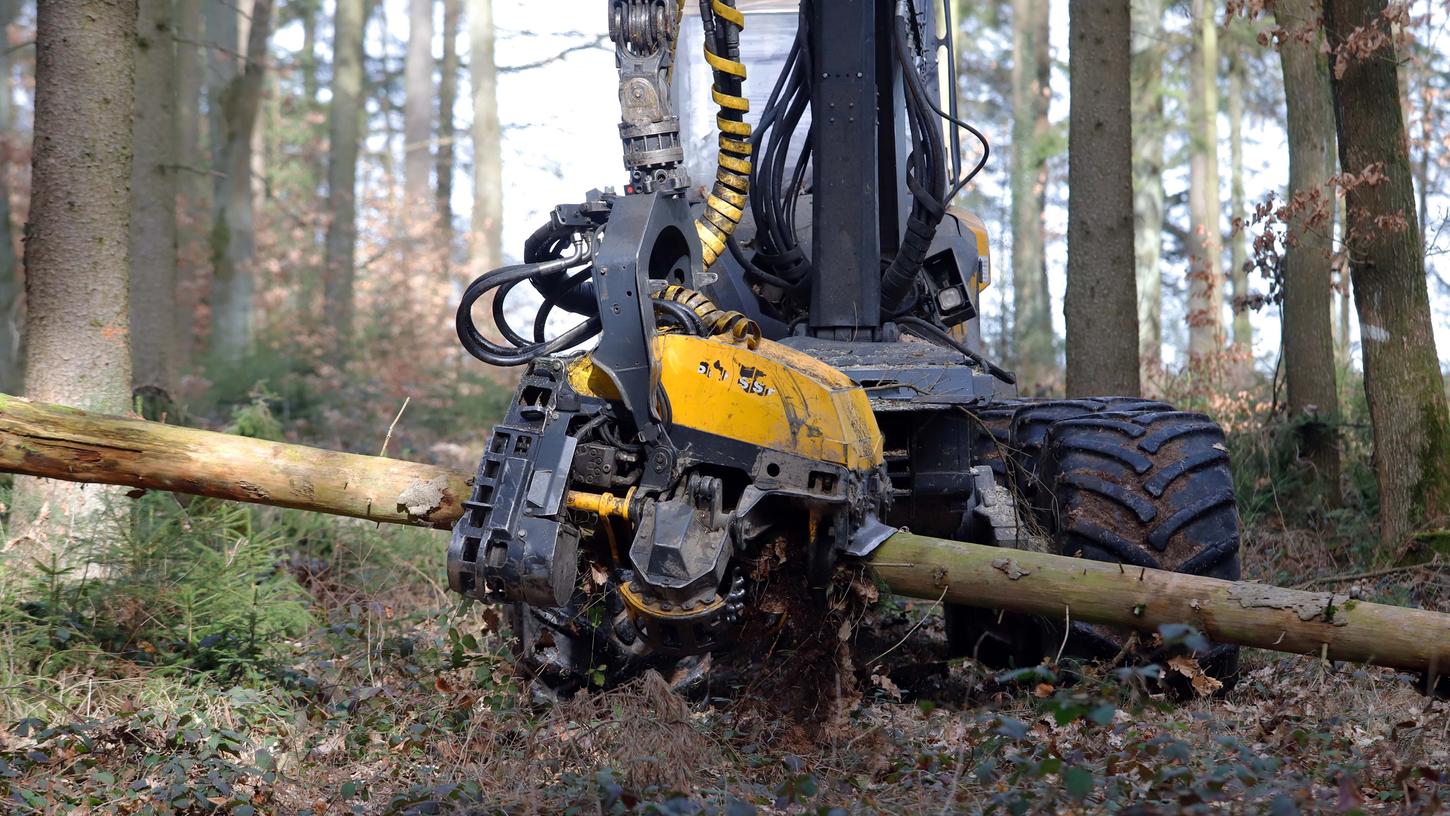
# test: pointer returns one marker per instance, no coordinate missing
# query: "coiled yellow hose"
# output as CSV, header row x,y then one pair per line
x,y
726,204
718,321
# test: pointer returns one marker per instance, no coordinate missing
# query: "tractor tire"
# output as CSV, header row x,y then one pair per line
x,y
1146,489
994,429
1030,424
1011,444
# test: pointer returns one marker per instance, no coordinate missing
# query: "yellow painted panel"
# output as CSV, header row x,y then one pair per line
x,y
772,396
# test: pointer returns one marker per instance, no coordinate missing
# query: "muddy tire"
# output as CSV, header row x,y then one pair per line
x,y
1010,442
1030,424
994,433
1146,489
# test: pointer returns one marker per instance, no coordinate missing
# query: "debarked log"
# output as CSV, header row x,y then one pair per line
x,y
65,443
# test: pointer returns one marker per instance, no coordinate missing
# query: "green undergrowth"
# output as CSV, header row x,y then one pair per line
x,y
348,407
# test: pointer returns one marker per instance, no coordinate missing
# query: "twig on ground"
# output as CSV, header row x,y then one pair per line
x,y
912,630
1433,565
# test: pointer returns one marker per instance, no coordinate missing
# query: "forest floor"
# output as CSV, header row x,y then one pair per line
x,y
354,683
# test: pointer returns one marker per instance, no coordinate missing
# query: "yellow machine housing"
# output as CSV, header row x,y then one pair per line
x,y
769,396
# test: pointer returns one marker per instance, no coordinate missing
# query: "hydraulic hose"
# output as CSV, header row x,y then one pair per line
x,y
936,334
927,182
712,318
726,203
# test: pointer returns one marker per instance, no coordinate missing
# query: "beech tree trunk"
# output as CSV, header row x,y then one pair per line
x,y
1308,330
193,182
447,98
1034,357
344,129
1102,298
418,106
487,221
76,249
233,232
12,364
70,444
1149,129
1402,380
154,319
1243,329
1205,245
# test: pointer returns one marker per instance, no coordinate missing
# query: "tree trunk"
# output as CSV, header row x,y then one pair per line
x,y
68,444
487,221
308,57
418,106
1205,249
1035,358
447,97
1102,297
344,128
1308,330
233,233
192,180
154,329
76,257
1243,330
12,287
1149,129
1402,380
223,53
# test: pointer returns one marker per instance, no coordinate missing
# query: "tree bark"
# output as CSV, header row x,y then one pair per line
x,y
1243,329
1149,130
344,129
154,318
76,248
192,179
69,444
447,98
418,106
1205,250
1308,330
12,287
487,220
1032,337
1402,380
233,231
1102,298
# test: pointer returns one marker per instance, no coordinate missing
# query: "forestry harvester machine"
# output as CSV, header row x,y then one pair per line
x,y
790,359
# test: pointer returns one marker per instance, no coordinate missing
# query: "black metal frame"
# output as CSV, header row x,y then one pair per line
x,y
848,228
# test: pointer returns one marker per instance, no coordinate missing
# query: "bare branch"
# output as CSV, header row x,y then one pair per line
x,y
597,42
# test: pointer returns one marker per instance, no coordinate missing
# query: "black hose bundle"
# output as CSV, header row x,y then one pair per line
x,y
779,259
926,179
547,270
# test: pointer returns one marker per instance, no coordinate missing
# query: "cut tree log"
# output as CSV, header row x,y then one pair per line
x,y
1327,624
65,443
